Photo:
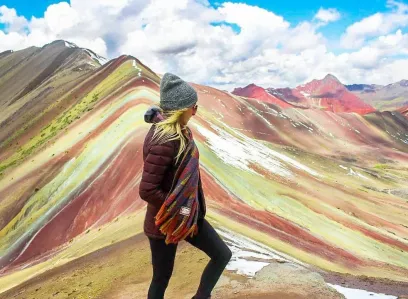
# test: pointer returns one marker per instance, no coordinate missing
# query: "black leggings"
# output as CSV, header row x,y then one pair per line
x,y
163,256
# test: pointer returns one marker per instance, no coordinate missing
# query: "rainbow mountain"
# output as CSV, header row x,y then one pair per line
x,y
324,188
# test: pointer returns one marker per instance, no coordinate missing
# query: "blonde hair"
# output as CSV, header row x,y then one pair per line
x,y
170,129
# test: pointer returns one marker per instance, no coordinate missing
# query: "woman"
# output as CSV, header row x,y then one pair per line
x,y
171,185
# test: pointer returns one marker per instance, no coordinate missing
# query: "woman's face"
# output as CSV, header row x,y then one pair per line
x,y
188,114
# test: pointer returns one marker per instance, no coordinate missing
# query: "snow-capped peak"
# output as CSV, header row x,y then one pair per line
x,y
95,57
70,45
101,60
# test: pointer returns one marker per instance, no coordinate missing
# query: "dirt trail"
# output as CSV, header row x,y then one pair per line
x,y
123,271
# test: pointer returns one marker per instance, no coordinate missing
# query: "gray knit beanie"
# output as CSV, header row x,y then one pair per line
x,y
176,94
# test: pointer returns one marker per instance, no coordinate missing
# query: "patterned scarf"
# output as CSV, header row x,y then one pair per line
x,y
178,215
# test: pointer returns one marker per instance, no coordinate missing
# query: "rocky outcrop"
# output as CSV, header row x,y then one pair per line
x,y
278,280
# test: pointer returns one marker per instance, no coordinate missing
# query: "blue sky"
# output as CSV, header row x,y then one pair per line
x,y
294,11
29,8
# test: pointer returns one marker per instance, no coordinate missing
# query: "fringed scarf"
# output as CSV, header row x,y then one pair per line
x,y
178,215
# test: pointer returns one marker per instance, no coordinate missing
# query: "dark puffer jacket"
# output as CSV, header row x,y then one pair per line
x,y
158,173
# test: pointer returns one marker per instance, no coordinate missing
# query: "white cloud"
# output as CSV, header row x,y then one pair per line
x,y
60,17
379,52
227,45
366,58
327,15
301,38
10,41
252,17
259,28
13,22
376,24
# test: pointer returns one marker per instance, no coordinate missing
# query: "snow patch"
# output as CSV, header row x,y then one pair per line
x,y
305,94
353,173
245,267
269,110
258,113
70,45
245,253
243,151
134,64
360,294
276,93
221,116
101,60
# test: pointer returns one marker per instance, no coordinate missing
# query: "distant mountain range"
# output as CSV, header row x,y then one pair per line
x,y
257,92
383,97
329,94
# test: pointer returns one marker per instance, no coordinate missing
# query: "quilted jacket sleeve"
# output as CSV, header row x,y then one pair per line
x,y
159,159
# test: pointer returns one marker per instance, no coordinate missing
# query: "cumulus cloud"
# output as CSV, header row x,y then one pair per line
x,y
223,45
376,24
13,22
328,15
